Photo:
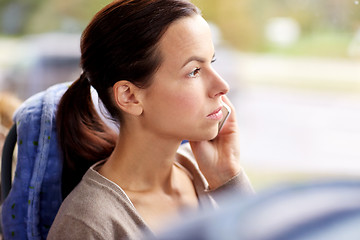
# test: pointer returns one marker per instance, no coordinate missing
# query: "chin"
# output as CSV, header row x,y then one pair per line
x,y
205,136
214,136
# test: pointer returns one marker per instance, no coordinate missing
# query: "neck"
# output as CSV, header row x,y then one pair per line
x,y
141,162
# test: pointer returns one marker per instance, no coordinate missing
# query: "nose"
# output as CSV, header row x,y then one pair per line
x,y
218,86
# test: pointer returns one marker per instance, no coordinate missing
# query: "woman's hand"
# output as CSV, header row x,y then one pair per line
x,y
219,159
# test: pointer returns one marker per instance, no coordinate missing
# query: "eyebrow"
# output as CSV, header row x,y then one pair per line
x,y
197,59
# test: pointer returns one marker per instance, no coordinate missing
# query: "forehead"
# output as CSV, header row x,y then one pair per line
x,y
186,37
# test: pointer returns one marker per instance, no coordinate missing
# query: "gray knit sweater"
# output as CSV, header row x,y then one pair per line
x,y
99,209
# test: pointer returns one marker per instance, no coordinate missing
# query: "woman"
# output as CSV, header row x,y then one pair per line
x,y
150,63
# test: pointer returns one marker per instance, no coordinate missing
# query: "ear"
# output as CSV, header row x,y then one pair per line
x,y
126,97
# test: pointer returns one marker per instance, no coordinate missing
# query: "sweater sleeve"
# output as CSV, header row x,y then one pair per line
x,y
79,230
239,184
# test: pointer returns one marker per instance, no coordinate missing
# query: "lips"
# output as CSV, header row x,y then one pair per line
x,y
216,115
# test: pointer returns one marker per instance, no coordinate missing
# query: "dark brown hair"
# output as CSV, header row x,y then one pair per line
x,y
120,43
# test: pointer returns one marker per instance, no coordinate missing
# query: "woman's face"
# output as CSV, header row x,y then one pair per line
x,y
184,98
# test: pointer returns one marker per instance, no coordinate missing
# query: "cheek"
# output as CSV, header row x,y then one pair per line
x,y
186,102
174,101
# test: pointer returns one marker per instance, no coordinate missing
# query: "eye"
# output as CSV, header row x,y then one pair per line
x,y
213,60
194,73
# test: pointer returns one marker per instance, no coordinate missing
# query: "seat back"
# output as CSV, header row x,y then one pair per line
x,y
307,211
35,196
7,162
32,200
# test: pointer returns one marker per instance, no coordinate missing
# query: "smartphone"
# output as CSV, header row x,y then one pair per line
x,y
226,112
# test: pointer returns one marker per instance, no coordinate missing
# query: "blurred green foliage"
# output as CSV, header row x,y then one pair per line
x,y
63,14
327,26
20,17
321,43
242,22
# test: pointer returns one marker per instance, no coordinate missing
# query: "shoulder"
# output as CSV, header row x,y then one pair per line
x,y
100,208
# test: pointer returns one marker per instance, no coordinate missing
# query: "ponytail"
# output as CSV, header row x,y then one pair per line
x,y
84,138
